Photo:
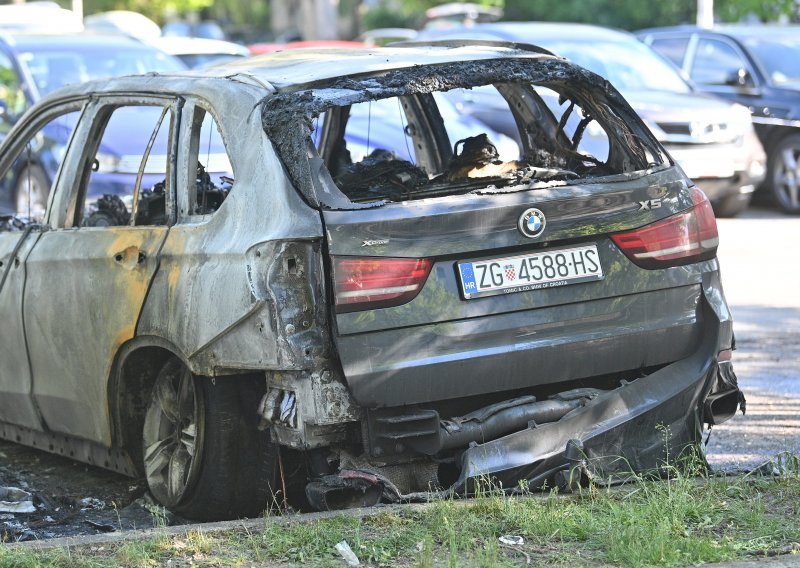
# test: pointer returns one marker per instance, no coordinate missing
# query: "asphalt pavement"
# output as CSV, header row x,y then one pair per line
x,y
761,276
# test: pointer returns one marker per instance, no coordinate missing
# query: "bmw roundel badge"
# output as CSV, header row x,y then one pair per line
x,y
532,222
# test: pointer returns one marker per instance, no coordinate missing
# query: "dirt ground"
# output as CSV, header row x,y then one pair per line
x,y
761,285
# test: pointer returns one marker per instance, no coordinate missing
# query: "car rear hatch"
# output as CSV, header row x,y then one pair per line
x,y
448,343
465,273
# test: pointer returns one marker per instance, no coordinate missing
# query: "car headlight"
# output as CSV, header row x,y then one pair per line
x,y
741,121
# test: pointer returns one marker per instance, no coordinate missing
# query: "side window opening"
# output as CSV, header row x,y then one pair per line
x,y
208,157
29,180
128,181
395,149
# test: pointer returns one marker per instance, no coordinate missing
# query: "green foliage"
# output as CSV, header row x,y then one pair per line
x,y
625,14
154,9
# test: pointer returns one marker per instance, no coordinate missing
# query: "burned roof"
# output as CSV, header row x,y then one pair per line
x,y
291,68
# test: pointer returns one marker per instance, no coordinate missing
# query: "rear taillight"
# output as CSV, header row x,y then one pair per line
x,y
689,236
365,283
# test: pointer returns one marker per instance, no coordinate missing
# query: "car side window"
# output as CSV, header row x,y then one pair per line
x,y
129,179
12,98
209,158
33,172
673,48
716,63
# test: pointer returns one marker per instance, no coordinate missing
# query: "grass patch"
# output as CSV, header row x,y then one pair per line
x,y
683,520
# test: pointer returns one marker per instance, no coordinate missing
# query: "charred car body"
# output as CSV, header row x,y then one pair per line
x,y
368,330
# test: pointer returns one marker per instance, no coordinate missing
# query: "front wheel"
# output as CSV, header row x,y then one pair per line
x,y
784,174
204,457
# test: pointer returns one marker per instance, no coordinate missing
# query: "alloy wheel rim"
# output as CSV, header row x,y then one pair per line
x,y
787,178
171,432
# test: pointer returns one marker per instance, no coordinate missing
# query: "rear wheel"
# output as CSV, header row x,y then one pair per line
x,y
204,457
784,174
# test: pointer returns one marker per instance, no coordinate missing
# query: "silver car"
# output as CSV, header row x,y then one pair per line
x,y
332,329
712,140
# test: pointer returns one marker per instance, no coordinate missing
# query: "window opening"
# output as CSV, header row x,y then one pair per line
x,y
29,181
213,173
128,181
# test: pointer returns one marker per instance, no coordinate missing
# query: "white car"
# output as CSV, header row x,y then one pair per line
x,y
200,52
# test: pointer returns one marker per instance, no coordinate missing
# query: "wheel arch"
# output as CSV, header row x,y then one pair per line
x,y
134,372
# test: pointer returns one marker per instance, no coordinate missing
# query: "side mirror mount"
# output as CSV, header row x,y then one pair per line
x,y
739,78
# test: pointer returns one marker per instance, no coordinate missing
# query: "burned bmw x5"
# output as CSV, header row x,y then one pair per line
x,y
329,325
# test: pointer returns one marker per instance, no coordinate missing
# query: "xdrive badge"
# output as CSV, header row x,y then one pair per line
x,y
532,223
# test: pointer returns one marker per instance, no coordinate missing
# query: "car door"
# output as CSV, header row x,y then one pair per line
x,y
88,276
718,66
17,238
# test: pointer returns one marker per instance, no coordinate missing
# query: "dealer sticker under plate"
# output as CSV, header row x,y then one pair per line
x,y
543,269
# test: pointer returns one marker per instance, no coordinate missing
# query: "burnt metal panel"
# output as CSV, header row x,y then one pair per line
x,y
16,383
83,295
242,288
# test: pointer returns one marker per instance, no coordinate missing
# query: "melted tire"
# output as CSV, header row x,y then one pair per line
x,y
236,473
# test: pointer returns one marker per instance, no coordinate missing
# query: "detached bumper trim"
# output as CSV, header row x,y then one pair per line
x,y
629,429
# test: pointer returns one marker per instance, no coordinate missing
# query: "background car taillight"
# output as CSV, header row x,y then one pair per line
x,y
683,238
365,283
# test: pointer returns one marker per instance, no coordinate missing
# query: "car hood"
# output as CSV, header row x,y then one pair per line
x,y
689,117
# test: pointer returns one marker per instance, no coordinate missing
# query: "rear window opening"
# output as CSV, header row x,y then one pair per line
x,y
417,146
391,138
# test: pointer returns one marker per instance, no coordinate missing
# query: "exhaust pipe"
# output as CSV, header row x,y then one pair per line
x,y
344,490
722,406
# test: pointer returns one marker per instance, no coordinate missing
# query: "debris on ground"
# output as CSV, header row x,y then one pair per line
x,y
347,553
512,540
88,503
15,500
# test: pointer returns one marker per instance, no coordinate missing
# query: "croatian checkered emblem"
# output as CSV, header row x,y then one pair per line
x,y
511,273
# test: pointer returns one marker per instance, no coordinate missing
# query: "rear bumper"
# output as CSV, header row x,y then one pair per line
x,y
523,349
640,426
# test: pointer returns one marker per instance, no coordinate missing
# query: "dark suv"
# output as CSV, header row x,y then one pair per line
x,y
34,65
758,67
362,327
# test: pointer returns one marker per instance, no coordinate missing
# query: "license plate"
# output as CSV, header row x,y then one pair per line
x,y
544,269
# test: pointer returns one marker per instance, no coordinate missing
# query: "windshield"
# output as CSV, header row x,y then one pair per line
x,y
630,66
778,57
52,69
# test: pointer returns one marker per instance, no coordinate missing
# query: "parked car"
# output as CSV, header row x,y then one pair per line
x,y
199,52
206,29
758,67
713,141
124,22
31,67
38,17
362,330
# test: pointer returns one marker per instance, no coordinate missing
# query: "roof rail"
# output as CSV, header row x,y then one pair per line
x,y
473,42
